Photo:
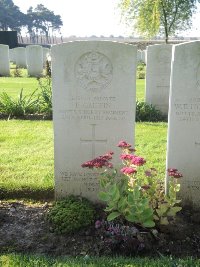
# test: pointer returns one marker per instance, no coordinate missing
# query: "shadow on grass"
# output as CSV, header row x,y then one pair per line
x,y
27,193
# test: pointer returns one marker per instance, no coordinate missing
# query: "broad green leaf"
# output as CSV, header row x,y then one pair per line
x,y
164,221
113,215
104,196
131,218
173,210
149,224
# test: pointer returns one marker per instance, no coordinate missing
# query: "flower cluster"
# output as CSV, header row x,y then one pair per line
x,y
99,162
130,160
174,173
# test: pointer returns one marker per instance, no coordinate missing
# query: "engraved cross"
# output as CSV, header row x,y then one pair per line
x,y
93,140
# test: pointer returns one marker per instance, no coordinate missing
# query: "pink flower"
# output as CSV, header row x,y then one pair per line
x,y
99,162
128,170
123,144
138,161
126,156
174,173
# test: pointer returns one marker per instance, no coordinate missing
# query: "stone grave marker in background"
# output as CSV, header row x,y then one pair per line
x,y
94,87
20,56
4,60
158,71
46,53
34,60
12,55
183,149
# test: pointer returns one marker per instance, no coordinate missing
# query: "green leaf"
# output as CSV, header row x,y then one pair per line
x,y
164,221
113,215
104,196
114,192
149,224
173,210
131,218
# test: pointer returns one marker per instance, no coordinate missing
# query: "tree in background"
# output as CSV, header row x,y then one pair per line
x,y
152,17
42,20
11,18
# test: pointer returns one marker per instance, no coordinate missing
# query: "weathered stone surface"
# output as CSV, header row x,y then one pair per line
x,y
93,108
183,150
158,76
4,60
34,59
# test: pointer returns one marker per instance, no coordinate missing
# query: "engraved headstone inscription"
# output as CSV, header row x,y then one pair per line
x,y
183,149
158,76
93,109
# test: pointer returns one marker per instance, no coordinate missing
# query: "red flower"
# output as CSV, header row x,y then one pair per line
x,y
99,162
138,161
126,156
128,170
174,173
123,144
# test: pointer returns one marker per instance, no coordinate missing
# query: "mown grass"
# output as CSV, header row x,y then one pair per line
x,y
13,86
26,153
20,260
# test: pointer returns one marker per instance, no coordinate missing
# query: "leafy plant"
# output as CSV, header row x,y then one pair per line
x,y
17,72
45,95
135,195
18,107
71,214
141,70
118,237
147,112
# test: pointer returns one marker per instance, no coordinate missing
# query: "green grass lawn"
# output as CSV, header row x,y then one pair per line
x,y
20,260
26,153
13,85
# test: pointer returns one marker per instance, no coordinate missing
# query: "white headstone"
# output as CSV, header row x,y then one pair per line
x,y
183,151
46,53
143,56
158,76
20,56
4,60
12,55
34,60
93,108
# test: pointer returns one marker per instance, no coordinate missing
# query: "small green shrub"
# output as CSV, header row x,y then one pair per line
x,y
17,72
141,70
45,95
71,214
48,68
147,112
21,106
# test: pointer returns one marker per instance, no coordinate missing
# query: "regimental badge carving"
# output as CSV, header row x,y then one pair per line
x,y
93,71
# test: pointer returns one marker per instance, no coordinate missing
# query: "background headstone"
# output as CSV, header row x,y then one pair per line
x,y
183,150
4,60
93,109
46,54
158,71
20,56
12,55
34,60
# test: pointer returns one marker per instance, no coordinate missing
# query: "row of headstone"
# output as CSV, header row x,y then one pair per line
x,y
94,108
32,57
